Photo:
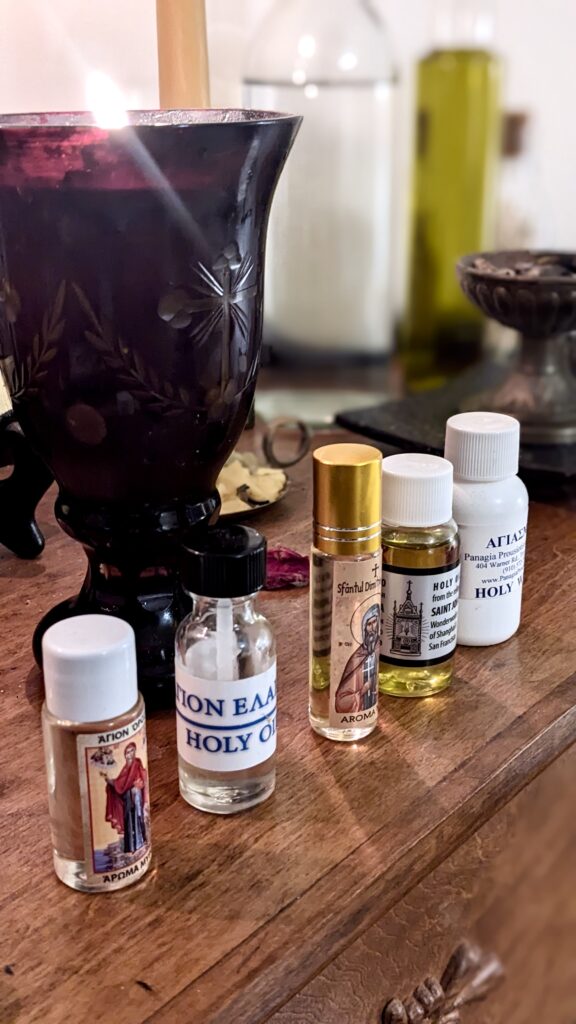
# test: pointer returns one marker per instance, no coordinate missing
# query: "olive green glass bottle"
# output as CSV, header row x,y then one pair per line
x,y
457,147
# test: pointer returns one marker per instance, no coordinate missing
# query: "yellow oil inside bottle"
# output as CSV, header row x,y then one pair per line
x,y
416,548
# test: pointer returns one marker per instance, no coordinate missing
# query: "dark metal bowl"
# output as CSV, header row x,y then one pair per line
x,y
538,307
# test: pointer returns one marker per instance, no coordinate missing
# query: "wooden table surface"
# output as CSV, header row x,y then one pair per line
x,y
238,913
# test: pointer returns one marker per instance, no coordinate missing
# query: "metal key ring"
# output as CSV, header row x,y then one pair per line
x,y
272,433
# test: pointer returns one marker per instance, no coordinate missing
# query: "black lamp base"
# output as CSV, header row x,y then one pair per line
x,y
133,556
21,491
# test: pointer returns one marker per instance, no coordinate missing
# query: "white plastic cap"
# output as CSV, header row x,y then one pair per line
x,y
89,666
483,446
416,490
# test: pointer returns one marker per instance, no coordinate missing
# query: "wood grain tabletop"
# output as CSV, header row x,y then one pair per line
x,y
238,913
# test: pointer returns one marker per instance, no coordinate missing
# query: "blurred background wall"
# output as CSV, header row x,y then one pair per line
x,y
46,47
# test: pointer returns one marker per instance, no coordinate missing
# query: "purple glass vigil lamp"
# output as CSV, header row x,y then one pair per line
x,y
131,273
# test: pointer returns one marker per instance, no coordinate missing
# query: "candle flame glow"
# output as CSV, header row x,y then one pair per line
x,y
106,101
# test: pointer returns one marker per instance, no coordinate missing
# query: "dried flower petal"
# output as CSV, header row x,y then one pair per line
x,y
286,568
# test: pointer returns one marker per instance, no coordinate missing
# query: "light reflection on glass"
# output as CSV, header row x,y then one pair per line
x,y
307,46
347,61
106,101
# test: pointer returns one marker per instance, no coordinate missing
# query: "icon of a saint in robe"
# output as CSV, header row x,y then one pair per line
x,y
126,800
358,687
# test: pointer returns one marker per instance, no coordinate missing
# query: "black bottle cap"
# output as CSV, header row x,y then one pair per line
x,y
224,561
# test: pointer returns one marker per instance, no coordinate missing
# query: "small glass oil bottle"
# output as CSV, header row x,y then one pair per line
x,y
420,576
346,580
225,675
96,755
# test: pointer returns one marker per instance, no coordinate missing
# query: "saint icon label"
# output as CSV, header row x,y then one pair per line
x,y
115,803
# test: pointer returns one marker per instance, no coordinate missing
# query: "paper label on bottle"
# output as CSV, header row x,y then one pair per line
x,y
225,726
419,615
114,792
355,643
492,562
321,606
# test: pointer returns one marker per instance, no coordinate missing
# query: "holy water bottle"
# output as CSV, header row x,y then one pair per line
x,y
328,280
225,675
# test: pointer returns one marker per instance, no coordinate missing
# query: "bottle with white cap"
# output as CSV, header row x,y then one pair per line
x,y
491,509
420,576
96,756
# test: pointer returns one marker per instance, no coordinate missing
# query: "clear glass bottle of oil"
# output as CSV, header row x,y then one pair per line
x,y
225,675
420,576
457,148
94,728
345,593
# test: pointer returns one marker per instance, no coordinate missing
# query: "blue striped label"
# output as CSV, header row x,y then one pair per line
x,y
225,725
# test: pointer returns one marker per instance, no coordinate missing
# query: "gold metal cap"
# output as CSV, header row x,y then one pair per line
x,y
347,499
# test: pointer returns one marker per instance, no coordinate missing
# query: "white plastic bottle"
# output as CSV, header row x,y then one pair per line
x,y
491,509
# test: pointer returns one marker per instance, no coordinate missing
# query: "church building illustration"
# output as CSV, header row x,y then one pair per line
x,y
407,626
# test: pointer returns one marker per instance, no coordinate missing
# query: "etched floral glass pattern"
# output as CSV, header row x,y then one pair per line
x,y
131,269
